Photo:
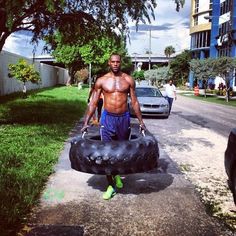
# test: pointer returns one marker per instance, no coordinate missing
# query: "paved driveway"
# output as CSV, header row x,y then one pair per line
x,y
161,202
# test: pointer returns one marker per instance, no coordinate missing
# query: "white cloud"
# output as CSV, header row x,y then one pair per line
x,y
168,28
19,43
176,34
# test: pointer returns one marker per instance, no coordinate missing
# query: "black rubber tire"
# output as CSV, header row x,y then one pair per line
x,y
233,186
91,155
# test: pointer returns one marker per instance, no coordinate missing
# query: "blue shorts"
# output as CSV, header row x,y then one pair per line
x,y
115,126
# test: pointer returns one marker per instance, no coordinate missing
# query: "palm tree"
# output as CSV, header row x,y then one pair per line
x,y
169,50
179,3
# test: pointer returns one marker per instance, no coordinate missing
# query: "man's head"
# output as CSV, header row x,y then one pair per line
x,y
115,63
170,82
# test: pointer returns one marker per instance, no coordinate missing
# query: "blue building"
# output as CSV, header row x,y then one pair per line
x,y
213,30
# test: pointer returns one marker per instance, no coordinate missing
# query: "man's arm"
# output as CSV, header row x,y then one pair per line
x,y
92,106
135,104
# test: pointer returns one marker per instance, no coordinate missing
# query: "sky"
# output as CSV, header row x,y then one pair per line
x,y
168,28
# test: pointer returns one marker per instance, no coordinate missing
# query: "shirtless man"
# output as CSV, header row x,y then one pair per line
x,y
115,120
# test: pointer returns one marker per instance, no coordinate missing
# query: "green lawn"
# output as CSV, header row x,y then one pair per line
x,y
32,134
214,99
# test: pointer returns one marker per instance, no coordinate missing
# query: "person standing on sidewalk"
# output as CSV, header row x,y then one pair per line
x,y
170,93
115,119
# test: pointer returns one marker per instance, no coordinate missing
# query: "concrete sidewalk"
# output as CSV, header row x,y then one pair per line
x,y
160,202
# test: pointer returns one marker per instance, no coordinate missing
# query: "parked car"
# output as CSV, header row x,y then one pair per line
x,y
152,102
230,162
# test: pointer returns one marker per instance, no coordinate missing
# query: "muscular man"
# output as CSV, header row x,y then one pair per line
x,y
115,120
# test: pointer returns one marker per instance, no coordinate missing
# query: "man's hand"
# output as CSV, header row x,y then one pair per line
x,y
84,128
142,127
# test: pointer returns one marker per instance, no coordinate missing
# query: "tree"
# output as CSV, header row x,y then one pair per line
x,y
24,72
169,50
203,70
138,75
157,76
180,67
95,52
82,75
69,55
179,4
43,17
224,67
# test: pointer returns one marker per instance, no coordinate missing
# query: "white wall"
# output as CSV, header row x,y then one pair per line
x,y
50,75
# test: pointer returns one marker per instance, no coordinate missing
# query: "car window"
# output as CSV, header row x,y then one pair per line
x,y
148,92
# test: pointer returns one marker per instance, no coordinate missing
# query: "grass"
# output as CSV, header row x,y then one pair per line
x,y
32,134
213,99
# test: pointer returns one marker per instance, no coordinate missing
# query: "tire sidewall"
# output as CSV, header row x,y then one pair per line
x,y
139,154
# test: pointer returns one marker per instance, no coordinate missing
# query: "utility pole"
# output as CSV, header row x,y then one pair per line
x,y
149,51
135,60
90,75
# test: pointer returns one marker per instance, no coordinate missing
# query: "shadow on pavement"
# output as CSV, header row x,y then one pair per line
x,y
56,230
148,182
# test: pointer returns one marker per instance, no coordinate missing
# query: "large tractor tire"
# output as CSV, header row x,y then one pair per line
x,y
89,154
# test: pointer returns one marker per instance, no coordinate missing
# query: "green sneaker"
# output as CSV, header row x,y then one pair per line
x,y
118,180
109,193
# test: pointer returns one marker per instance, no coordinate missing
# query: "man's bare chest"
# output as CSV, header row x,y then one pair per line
x,y
117,84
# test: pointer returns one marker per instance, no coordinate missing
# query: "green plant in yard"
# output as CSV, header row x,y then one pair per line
x,y
138,75
32,134
24,72
203,70
179,67
157,76
224,67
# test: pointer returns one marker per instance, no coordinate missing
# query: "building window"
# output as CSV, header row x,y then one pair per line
x,y
224,51
210,5
225,7
196,7
201,40
224,28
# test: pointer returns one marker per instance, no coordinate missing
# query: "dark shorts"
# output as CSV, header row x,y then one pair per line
x,y
115,126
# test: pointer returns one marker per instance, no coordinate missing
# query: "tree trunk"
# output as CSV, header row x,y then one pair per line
x,y
227,94
3,38
227,88
24,90
69,80
205,90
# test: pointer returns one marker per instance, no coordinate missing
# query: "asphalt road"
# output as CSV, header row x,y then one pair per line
x,y
216,117
160,202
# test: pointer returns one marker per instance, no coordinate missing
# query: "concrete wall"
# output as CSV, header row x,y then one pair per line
x,y
50,75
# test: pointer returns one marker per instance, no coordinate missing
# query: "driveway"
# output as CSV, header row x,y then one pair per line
x,y
160,202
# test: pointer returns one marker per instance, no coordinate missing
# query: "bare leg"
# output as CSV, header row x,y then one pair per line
x,y
110,180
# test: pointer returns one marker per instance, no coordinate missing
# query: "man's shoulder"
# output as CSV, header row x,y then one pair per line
x,y
103,77
126,76
106,76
